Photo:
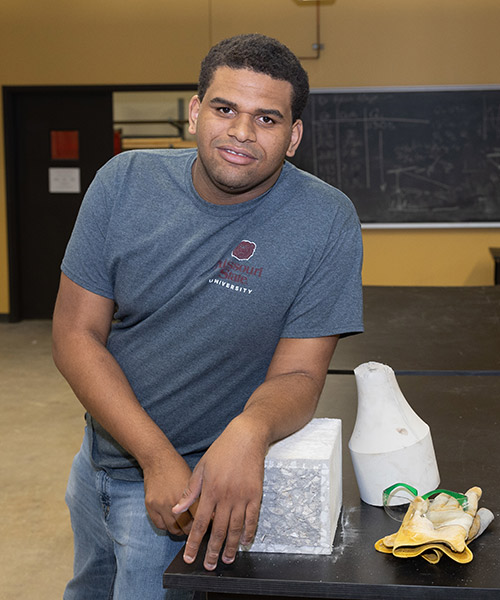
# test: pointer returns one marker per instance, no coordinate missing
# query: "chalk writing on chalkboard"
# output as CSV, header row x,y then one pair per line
x,y
419,156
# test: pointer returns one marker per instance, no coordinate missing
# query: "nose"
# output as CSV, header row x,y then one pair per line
x,y
242,128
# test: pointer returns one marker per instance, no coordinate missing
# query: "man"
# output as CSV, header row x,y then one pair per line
x,y
202,296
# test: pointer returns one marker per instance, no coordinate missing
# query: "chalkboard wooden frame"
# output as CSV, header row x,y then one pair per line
x,y
408,157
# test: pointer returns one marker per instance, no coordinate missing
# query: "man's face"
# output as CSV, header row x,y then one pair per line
x,y
244,131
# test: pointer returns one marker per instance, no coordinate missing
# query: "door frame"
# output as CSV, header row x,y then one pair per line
x,y
11,95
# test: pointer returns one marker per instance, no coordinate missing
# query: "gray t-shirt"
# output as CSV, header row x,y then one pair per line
x,y
204,292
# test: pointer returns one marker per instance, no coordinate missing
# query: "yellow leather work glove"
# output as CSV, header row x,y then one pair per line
x,y
439,526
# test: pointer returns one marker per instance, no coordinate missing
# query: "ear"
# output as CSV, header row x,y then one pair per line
x,y
297,130
194,109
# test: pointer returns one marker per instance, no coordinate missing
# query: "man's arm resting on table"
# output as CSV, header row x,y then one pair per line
x,y
228,479
81,326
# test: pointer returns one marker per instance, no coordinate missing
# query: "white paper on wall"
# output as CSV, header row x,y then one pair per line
x,y
64,180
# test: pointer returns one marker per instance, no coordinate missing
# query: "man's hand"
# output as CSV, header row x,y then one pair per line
x,y
228,481
164,481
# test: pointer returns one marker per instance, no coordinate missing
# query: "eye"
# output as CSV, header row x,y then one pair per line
x,y
266,120
224,110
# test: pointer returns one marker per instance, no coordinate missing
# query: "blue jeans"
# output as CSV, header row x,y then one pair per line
x,y
119,553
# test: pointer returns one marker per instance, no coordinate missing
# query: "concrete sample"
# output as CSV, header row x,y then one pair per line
x,y
302,493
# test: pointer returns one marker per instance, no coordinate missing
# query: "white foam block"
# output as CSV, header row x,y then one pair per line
x,y
302,493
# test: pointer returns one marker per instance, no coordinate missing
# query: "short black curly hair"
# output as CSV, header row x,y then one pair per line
x,y
261,54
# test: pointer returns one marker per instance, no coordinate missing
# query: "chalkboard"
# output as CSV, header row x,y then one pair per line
x,y
408,156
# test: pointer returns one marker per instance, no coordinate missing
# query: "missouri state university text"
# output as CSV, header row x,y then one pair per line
x,y
237,272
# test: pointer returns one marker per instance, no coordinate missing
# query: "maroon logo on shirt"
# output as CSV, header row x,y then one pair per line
x,y
244,250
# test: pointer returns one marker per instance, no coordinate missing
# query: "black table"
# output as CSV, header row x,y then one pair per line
x,y
426,329
463,413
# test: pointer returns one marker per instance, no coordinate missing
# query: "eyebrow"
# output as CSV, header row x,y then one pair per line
x,y
261,111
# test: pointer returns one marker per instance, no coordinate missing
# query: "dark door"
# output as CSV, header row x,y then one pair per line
x,y
67,129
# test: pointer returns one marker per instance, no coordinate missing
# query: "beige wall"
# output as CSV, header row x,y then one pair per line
x,y
367,43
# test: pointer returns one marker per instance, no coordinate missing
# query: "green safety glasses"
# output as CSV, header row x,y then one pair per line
x,y
397,498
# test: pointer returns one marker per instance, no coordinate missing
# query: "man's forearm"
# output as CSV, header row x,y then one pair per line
x,y
287,399
228,479
101,386
103,389
281,405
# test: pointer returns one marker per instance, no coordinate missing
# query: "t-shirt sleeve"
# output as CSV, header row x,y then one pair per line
x,y
329,301
84,261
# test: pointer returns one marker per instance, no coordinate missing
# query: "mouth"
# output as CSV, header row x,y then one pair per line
x,y
236,155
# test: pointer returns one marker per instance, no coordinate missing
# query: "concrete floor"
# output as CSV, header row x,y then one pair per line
x,y
41,426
